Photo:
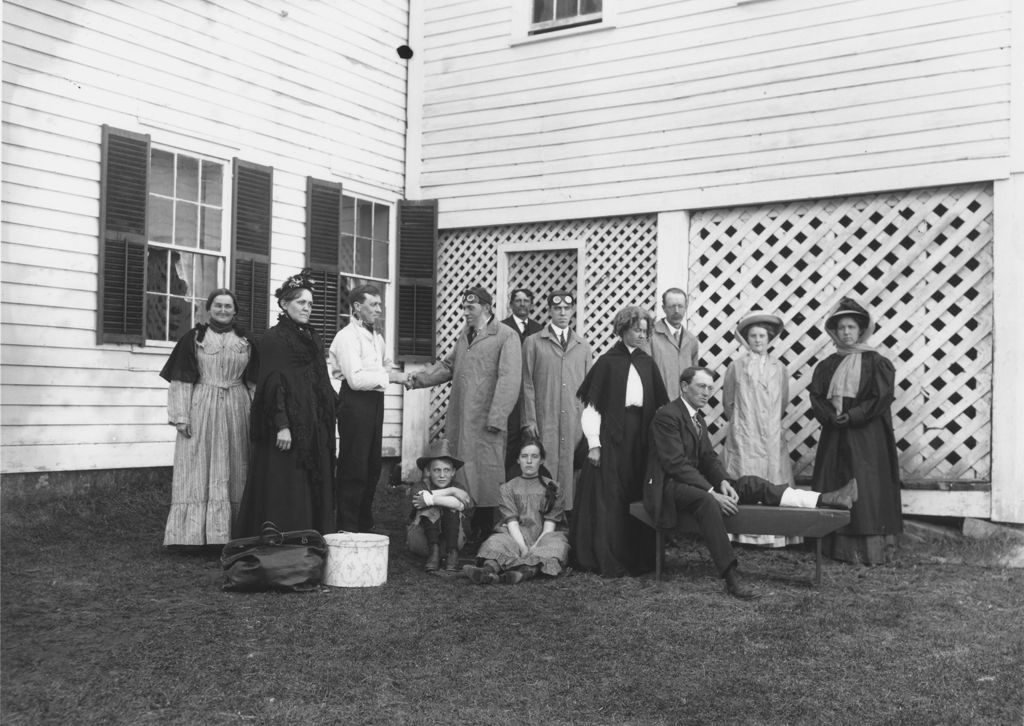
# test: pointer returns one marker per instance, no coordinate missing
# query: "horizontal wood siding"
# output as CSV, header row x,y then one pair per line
x,y
705,103
311,89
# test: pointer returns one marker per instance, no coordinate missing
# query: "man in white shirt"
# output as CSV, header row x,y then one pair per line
x,y
358,359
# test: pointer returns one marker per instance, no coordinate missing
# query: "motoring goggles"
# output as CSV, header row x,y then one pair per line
x,y
561,300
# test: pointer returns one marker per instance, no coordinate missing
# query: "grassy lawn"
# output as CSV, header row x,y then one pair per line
x,y
101,625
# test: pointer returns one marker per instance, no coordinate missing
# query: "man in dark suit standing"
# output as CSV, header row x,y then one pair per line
x,y
685,474
521,303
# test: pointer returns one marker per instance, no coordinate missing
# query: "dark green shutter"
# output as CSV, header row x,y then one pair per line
x,y
417,245
124,186
323,229
253,200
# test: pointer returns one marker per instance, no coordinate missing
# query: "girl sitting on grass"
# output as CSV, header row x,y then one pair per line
x,y
527,541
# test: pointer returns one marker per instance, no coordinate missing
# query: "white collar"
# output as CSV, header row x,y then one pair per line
x,y
689,408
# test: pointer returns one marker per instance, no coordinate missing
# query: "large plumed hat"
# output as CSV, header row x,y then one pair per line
x,y
848,308
440,449
772,323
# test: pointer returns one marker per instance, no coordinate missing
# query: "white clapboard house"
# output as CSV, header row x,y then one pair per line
x,y
758,153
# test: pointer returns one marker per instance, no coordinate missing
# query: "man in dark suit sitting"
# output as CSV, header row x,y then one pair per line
x,y
685,474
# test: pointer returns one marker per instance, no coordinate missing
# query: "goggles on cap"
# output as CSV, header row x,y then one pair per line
x,y
471,297
562,299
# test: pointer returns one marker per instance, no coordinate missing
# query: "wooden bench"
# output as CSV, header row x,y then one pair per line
x,y
757,519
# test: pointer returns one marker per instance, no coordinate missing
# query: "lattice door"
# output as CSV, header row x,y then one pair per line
x,y
540,272
921,261
618,266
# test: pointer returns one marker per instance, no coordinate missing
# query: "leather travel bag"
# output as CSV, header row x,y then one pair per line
x,y
274,560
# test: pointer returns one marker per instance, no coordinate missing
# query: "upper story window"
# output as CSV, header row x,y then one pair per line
x,y
552,15
186,254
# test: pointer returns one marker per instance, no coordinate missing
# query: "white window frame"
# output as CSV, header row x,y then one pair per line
x,y
522,17
223,255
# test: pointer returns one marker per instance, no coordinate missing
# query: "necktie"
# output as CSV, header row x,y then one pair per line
x,y
471,334
675,336
563,339
698,421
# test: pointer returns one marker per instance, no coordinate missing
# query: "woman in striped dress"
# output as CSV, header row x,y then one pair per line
x,y
208,403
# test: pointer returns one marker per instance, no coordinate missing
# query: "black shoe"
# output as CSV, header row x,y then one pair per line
x,y
737,589
433,559
451,562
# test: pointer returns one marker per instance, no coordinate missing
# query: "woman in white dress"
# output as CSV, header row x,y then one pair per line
x,y
208,403
755,393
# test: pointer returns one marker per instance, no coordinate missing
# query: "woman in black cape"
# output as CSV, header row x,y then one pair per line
x,y
620,394
291,477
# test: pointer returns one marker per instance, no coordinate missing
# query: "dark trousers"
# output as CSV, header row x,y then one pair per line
x,y
444,531
360,424
705,509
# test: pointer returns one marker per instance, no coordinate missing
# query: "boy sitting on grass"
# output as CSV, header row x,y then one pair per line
x,y
440,511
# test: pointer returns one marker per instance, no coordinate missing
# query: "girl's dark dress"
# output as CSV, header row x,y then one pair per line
x,y
293,488
604,537
865,450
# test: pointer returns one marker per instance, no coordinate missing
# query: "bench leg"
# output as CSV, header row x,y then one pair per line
x,y
817,561
659,555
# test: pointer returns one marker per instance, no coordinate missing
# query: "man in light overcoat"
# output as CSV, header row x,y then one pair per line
x,y
555,362
673,348
485,368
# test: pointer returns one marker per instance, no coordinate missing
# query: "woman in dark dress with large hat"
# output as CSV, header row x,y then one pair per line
x,y
851,397
291,477
620,394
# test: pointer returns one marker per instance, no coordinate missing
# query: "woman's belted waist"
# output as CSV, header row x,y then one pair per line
x,y
223,386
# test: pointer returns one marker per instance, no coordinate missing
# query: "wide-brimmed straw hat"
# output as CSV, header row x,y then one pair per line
x,y
440,449
848,308
772,323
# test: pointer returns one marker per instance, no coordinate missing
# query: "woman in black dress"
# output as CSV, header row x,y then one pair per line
x,y
851,396
291,478
620,394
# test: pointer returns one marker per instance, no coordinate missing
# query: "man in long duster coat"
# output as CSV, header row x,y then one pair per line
x,y
551,377
485,369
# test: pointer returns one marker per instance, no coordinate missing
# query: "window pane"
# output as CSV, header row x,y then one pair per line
x,y
590,6
206,275
565,9
364,218
160,219
156,270
179,317
543,10
156,317
380,259
209,234
161,174
199,314
363,252
213,182
348,215
381,222
186,224
346,252
188,178
181,273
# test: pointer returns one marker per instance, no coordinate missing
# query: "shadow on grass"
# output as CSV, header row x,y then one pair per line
x,y
102,625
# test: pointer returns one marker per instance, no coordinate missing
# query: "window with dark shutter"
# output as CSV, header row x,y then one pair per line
x,y
323,230
124,179
417,242
250,236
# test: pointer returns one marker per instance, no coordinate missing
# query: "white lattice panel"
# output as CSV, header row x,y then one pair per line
x,y
618,259
921,261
